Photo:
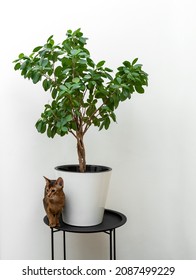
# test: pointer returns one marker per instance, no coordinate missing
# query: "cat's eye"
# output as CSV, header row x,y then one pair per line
x,y
53,190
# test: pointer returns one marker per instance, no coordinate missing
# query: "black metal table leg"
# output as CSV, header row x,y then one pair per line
x,y
110,244
112,234
114,243
52,244
64,245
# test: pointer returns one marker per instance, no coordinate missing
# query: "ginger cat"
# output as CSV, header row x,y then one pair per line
x,y
54,200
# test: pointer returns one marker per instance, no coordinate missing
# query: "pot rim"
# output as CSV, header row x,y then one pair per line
x,y
90,168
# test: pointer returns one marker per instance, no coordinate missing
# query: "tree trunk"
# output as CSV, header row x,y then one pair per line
x,y
81,152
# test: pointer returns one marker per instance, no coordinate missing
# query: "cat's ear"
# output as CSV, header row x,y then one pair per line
x,y
60,182
47,180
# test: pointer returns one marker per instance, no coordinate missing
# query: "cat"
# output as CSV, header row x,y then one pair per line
x,y
54,200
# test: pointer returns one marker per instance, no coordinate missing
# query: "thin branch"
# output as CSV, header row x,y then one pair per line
x,y
73,133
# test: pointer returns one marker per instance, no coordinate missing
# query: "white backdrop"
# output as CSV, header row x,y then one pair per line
x,y
152,149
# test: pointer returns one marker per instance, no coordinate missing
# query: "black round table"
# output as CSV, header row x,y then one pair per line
x,y
111,220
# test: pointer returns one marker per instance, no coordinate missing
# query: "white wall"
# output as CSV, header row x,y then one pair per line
x,y
152,149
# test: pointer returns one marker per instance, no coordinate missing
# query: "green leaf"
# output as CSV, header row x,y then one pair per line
x,y
44,62
127,63
48,40
63,88
100,64
82,61
76,80
54,93
66,62
17,66
66,71
68,118
119,80
99,94
137,66
68,85
38,125
21,55
113,116
109,76
90,62
46,84
36,77
54,104
51,42
76,103
53,132
134,61
96,121
24,64
87,77
83,40
61,94
41,126
49,132
77,32
75,52
36,49
75,86
58,124
66,46
139,89
64,129
108,69
116,100
69,32
101,126
107,123
91,109
58,71
73,126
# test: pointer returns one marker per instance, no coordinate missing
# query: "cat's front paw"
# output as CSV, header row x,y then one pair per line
x,y
52,225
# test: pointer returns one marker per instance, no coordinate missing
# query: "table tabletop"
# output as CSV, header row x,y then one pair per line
x,y
111,220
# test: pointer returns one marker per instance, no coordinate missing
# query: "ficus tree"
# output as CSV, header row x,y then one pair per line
x,y
83,93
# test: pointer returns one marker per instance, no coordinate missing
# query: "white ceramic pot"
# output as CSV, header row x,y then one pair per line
x,y
85,193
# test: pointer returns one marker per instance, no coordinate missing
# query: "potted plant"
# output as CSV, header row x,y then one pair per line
x,y
83,94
